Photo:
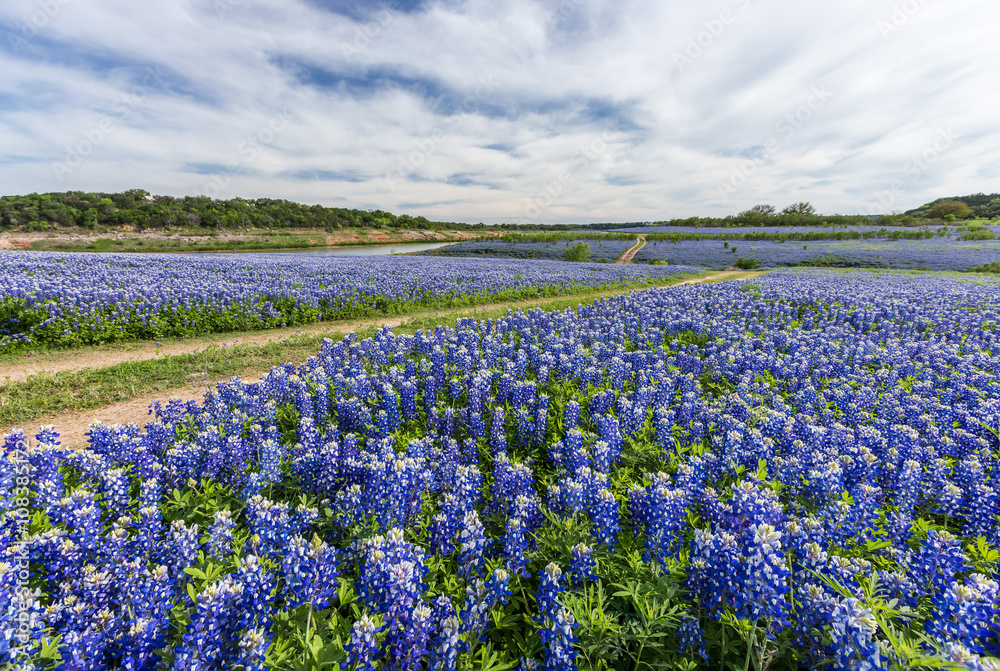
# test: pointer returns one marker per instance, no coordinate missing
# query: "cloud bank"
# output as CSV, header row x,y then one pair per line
x,y
526,110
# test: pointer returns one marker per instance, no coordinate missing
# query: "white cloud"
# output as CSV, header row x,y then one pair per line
x,y
477,111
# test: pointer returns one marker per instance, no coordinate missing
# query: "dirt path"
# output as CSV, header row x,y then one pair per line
x,y
73,426
13,240
630,253
724,275
100,357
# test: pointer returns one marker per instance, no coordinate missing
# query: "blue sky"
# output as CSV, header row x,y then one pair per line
x,y
527,111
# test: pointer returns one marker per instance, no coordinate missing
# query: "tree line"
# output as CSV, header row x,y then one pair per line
x,y
137,208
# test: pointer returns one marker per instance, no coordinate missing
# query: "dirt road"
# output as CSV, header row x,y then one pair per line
x,y
73,426
630,253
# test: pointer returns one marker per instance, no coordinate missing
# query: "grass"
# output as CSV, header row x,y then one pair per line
x,y
49,353
46,394
974,275
166,245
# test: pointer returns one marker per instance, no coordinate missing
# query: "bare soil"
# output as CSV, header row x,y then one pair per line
x,y
73,426
629,254
23,240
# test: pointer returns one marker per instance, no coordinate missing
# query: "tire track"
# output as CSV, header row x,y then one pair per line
x,y
73,425
629,254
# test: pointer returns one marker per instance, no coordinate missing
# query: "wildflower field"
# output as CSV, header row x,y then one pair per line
x,y
64,300
930,254
601,250
699,248
796,472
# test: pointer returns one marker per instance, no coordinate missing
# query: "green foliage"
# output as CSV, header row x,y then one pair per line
x,y
980,205
977,233
992,268
747,263
138,209
579,252
759,211
800,208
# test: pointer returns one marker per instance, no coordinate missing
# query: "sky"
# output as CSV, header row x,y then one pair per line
x,y
523,111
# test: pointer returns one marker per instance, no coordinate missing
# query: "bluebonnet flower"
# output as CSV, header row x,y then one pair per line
x,y
582,566
257,590
473,545
21,617
939,559
220,535
447,645
548,592
963,612
184,546
661,511
982,508
852,632
253,647
514,545
558,639
392,583
211,635
46,478
274,522
604,514
480,598
114,490
690,637
310,573
363,648
571,415
741,566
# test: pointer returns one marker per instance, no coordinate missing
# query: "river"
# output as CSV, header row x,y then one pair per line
x,y
363,250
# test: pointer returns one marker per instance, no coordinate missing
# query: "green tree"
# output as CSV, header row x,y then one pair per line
x,y
759,211
800,208
578,252
955,207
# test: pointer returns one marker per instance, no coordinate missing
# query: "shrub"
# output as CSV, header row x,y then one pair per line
x,y
978,233
578,252
800,208
745,263
953,207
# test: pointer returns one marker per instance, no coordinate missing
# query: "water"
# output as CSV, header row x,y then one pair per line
x,y
357,250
